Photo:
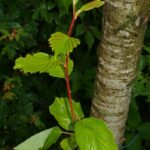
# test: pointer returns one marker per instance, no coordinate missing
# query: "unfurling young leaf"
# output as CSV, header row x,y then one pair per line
x,y
62,44
43,63
42,140
89,6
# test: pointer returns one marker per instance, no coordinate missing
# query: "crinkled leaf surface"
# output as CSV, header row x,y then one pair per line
x,y
42,140
62,44
61,111
69,143
90,5
43,63
93,134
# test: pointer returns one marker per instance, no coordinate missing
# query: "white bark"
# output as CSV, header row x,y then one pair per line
x,y
118,56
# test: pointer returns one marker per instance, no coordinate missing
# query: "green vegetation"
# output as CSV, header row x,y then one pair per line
x,y
24,98
66,111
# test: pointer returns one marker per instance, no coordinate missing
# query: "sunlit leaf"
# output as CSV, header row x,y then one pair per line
x,y
93,134
42,140
62,44
43,63
60,109
90,5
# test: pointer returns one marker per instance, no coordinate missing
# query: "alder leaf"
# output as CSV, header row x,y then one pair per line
x,y
60,109
43,63
90,5
93,134
42,140
62,44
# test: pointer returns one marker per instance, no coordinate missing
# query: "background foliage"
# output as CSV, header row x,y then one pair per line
x,y
25,27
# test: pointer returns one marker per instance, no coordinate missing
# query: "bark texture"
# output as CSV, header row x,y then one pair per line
x,y
124,24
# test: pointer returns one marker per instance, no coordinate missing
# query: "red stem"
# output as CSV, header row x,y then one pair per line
x,y
67,75
71,25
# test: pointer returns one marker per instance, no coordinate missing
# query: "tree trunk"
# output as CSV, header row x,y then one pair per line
x,y
124,24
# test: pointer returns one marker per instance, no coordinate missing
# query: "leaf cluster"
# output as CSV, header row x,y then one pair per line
x,y
95,133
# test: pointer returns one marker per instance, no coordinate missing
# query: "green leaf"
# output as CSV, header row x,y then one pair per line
x,y
134,118
147,58
62,44
93,134
52,138
90,5
61,111
133,142
66,4
142,63
142,87
96,32
80,29
43,63
147,48
68,143
42,140
89,38
144,130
